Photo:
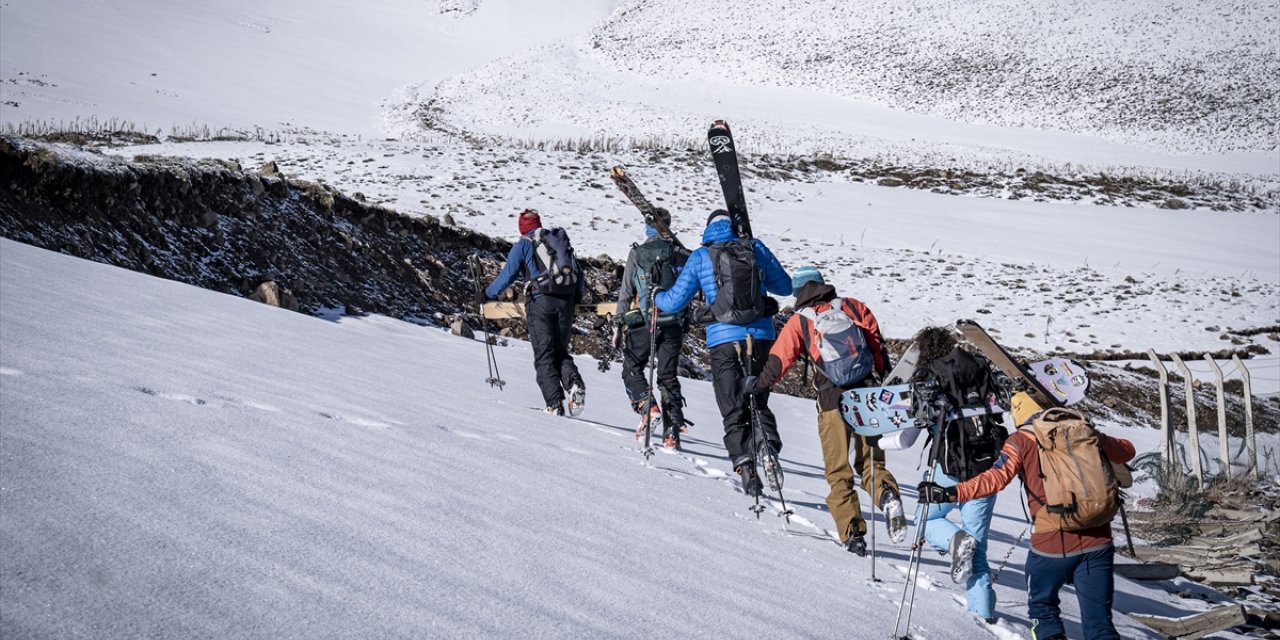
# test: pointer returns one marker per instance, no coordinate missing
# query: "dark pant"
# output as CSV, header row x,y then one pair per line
x,y
1092,575
635,359
550,325
735,408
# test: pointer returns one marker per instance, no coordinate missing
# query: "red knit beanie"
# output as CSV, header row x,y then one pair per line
x,y
529,220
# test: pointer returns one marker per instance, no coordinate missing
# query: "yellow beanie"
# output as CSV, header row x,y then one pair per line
x,y
1022,408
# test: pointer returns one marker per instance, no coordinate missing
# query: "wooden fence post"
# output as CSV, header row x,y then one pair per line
x,y
1193,433
1224,448
1166,422
1250,443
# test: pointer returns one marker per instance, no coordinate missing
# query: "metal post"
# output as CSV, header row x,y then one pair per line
x,y
1250,443
1166,421
1193,433
1224,449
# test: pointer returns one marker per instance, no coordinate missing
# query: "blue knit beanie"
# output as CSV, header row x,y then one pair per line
x,y
807,273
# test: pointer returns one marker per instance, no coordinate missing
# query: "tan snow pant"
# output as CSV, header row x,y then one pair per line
x,y
843,503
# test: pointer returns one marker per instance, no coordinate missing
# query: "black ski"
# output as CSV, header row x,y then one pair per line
x,y
725,156
632,192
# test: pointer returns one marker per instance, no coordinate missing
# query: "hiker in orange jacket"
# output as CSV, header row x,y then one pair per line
x,y
799,340
1085,556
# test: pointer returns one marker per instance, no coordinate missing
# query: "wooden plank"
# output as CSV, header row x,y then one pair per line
x,y
1196,626
495,310
1148,571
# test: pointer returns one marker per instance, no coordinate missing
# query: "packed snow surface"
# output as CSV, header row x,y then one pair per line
x,y
176,462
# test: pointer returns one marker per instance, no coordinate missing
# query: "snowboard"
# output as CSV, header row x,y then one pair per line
x,y
906,367
725,156
632,192
1064,378
494,310
1023,379
872,411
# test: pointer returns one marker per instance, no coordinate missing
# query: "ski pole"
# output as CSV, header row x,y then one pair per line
x,y
872,494
491,359
653,368
768,459
917,548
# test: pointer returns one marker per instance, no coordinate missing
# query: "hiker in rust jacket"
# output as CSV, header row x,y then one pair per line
x,y
1084,557
798,341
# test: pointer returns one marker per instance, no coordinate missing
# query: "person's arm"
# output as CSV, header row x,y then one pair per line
x,y
678,296
787,349
776,279
515,264
875,341
1006,467
628,289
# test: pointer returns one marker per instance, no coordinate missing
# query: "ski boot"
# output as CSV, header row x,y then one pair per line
x,y
962,547
895,519
654,421
772,470
555,409
746,470
857,545
577,398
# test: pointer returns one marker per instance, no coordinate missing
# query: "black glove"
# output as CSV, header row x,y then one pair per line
x,y
932,492
749,385
481,298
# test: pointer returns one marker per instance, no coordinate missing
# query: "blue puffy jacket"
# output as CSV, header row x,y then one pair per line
x,y
699,275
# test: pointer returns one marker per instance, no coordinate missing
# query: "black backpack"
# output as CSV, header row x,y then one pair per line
x,y
738,296
558,270
656,263
970,444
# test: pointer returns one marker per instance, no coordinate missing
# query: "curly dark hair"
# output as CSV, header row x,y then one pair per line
x,y
934,342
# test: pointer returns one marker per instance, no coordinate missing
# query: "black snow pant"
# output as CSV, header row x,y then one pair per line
x,y
735,407
635,360
550,326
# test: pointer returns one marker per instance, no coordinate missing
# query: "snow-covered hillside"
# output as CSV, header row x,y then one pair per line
x,y
180,463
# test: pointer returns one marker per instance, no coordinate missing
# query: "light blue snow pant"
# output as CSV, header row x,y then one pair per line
x,y
976,516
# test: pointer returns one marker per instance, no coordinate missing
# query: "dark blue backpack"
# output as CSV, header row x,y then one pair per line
x,y
557,267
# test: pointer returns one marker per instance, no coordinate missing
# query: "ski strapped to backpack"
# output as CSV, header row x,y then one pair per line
x,y
841,344
1080,486
558,268
740,297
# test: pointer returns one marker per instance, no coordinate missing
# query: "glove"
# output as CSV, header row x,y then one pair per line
x,y
932,492
481,298
749,385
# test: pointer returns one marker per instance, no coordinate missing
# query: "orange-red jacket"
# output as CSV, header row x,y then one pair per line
x,y
798,339
1020,457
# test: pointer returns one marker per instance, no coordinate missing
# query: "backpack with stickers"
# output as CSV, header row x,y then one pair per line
x,y
656,265
1081,490
970,444
841,342
558,270
739,299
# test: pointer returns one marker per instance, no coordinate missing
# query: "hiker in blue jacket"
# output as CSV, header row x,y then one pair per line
x,y
550,321
727,342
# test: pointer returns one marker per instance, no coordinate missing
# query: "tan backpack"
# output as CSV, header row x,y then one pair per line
x,y
1080,486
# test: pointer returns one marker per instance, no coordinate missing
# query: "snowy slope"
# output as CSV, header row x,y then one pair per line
x,y
180,463
288,64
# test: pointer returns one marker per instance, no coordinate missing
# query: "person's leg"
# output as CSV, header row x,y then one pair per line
x,y
842,500
670,341
568,371
760,356
1045,577
1095,587
726,380
976,516
874,476
635,357
938,530
542,337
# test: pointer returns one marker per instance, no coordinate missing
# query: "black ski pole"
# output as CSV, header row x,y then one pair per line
x,y
653,368
491,359
917,548
764,454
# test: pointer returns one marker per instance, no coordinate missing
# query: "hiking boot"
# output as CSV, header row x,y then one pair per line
x,y
654,421
555,409
856,545
577,398
772,470
746,469
671,443
962,547
895,518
